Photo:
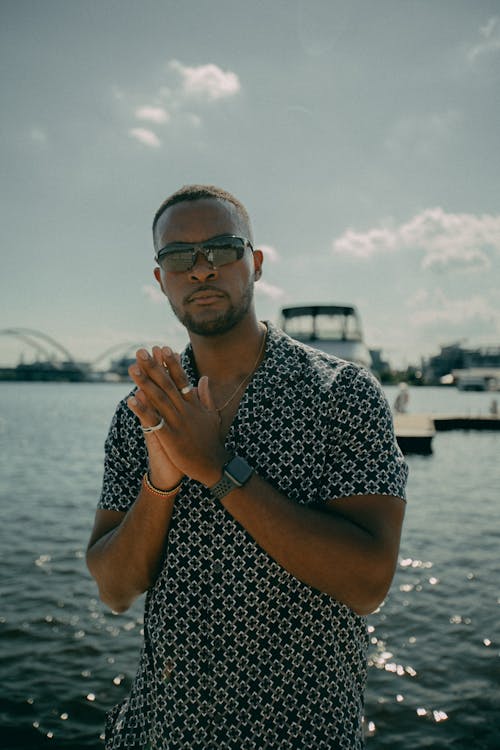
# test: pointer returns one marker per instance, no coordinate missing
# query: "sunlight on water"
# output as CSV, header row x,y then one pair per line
x,y
434,651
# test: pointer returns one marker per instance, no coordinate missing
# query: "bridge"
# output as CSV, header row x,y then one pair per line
x,y
53,361
34,338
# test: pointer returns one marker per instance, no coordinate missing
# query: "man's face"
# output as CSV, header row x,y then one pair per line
x,y
207,301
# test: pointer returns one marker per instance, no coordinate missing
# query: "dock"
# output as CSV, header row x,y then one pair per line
x,y
469,422
414,432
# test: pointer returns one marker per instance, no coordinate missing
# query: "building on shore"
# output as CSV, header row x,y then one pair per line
x,y
468,368
477,378
47,371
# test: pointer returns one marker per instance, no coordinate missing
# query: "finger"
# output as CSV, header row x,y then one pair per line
x,y
158,356
154,379
158,364
205,394
149,417
139,405
173,361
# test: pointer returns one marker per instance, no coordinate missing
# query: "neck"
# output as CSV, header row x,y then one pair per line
x,y
231,355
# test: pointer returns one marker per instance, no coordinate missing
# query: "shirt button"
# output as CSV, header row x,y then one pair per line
x,y
217,567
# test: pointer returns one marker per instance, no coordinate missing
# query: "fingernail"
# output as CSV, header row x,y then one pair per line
x,y
132,400
136,370
167,351
143,354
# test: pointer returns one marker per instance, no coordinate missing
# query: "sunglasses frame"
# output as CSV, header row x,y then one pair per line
x,y
206,248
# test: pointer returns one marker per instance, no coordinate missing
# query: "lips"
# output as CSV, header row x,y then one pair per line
x,y
205,296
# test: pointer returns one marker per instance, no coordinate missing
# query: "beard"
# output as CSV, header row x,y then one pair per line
x,y
221,322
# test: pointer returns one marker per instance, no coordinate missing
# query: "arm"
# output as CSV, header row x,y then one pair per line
x,y
126,549
347,548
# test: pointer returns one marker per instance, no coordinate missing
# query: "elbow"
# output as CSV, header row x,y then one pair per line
x,y
117,604
117,597
367,607
117,607
372,592
376,583
111,592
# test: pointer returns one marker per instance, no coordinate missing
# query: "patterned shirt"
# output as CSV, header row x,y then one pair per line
x,y
239,654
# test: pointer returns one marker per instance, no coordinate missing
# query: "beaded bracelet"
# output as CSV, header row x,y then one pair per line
x,y
160,493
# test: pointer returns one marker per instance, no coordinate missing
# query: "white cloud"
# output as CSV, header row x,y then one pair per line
x,y
207,81
153,293
153,114
440,309
270,253
444,239
490,40
145,136
365,244
191,84
269,290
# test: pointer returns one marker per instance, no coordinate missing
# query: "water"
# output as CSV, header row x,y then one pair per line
x,y
435,651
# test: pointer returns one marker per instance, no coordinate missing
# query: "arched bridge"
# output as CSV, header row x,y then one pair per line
x,y
32,337
54,361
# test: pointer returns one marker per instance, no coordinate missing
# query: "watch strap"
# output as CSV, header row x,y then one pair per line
x,y
223,487
235,473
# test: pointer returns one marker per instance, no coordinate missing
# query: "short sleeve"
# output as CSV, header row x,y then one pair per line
x,y
363,457
125,461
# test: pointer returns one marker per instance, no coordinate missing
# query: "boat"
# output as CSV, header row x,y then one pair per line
x,y
334,329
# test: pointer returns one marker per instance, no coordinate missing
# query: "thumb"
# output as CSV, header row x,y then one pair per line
x,y
205,395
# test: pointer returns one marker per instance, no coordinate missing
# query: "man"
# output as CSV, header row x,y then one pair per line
x,y
255,490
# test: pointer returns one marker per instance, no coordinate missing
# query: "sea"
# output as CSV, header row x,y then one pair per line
x,y
434,657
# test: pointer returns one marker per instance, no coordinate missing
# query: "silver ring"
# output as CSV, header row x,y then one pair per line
x,y
155,427
187,389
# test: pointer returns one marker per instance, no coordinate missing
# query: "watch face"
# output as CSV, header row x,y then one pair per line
x,y
239,470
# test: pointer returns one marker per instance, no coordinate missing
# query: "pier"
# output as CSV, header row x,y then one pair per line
x,y
414,432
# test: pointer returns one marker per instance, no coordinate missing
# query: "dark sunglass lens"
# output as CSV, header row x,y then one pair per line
x,y
225,250
179,260
223,255
218,252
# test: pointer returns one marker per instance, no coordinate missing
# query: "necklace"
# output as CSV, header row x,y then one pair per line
x,y
220,409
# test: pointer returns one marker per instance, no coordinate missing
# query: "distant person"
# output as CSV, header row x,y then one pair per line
x,y
402,399
253,487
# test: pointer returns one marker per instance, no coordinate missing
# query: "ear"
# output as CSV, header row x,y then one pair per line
x,y
159,278
258,260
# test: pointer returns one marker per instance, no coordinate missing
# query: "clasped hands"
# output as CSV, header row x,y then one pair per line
x,y
189,443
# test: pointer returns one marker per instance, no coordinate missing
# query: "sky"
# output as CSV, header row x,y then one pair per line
x,y
363,138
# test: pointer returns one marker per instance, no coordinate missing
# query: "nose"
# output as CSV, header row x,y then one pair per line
x,y
202,269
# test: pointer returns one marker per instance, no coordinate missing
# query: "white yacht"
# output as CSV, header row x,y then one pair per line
x,y
335,329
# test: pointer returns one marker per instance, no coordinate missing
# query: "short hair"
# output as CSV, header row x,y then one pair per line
x,y
198,192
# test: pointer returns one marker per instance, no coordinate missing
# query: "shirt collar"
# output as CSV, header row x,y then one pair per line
x,y
278,363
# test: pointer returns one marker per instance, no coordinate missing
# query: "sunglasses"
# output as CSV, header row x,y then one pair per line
x,y
218,251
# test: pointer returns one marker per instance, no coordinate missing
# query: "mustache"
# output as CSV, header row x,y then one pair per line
x,y
203,288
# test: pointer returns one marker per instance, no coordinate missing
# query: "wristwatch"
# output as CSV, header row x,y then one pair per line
x,y
236,473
